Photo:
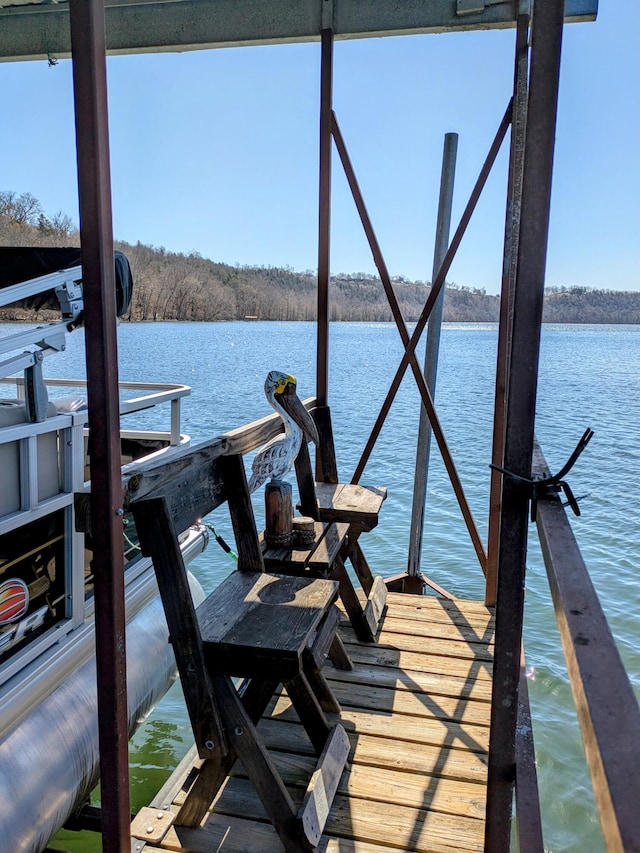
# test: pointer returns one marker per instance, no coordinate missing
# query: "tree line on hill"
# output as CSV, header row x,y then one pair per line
x,y
176,286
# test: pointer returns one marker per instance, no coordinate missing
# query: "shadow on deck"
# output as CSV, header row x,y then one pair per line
x,y
416,707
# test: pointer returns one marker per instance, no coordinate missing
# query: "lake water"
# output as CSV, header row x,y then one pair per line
x,y
590,376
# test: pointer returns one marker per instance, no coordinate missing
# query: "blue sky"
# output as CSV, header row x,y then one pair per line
x,y
216,151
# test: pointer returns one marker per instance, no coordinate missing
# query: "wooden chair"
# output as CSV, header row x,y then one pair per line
x,y
356,506
265,628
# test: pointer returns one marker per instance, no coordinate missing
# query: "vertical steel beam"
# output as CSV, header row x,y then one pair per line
x,y
445,204
521,400
509,267
92,140
324,217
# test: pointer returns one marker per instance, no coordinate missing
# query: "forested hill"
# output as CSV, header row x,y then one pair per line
x,y
175,286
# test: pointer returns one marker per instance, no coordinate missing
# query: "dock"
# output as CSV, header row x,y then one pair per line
x,y
416,707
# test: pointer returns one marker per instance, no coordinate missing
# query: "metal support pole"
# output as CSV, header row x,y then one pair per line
x,y
521,401
92,139
324,217
509,267
445,204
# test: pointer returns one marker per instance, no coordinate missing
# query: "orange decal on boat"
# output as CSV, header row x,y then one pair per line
x,y
14,600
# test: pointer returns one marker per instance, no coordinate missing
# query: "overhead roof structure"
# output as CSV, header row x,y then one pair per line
x,y
39,29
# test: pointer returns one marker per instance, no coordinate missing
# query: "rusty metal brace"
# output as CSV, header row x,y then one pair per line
x,y
542,487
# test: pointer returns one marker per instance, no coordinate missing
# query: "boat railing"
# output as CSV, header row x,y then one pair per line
x,y
151,394
48,456
44,470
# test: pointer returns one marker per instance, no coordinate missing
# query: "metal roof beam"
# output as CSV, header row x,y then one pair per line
x,y
39,31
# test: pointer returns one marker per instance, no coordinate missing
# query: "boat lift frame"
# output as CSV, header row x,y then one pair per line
x,y
523,286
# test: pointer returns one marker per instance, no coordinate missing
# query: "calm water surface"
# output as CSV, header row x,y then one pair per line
x,y
590,376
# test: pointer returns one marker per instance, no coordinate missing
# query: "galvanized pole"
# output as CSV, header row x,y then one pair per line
x,y
434,326
88,42
546,42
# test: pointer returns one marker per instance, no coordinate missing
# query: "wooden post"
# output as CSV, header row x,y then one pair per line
x,y
278,501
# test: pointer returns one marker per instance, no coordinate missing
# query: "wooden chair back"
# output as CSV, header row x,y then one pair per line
x,y
158,523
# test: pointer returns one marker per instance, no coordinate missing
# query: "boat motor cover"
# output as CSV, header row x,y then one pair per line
x,y
18,264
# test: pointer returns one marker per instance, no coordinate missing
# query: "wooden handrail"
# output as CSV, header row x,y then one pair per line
x,y
158,476
607,708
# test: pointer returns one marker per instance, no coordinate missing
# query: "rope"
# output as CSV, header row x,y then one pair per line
x,y
134,545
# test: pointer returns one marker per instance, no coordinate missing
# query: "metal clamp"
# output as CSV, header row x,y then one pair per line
x,y
544,487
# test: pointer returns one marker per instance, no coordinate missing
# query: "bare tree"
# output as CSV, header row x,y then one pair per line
x,y
24,209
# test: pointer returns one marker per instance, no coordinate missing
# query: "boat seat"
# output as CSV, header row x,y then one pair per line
x,y
265,628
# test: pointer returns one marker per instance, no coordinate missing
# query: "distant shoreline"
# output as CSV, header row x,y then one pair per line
x,y
29,321
173,286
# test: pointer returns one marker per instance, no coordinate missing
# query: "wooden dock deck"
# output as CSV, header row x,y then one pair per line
x,y
416,707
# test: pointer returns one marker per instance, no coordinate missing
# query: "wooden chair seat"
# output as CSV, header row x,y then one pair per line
x,y
355,504
256,624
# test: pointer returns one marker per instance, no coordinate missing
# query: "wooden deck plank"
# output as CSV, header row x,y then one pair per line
x,y
427,607
383,785
430,628
457,608
447,647
250,835
431,683
372,698
423,758
421,730
387,655
416,708
406,828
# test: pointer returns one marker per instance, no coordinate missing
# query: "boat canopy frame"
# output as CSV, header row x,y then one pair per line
x,y
39,29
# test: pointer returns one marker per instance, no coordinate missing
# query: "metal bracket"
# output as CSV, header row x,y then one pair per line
x,y
328,13
69,295
546,487
476,7
469,7
36,398
151,825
